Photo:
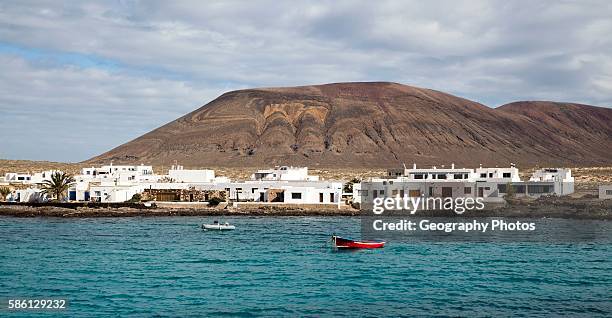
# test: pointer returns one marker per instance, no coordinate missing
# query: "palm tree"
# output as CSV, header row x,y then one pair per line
x,y
58,184
4,191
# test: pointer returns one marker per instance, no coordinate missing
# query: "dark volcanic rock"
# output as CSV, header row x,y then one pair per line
x,y
372,125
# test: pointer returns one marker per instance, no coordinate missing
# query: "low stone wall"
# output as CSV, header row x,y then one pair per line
x,y
181,205
76,205
281,205
183,195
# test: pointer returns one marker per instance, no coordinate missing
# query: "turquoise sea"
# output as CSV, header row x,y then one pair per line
x,y
282,266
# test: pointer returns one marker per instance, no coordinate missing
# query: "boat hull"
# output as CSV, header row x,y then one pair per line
x,y
218,227
343,243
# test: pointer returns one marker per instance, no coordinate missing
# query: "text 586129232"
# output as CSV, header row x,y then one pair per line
x,y
35,304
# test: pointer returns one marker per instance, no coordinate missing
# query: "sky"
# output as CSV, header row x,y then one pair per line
x,y
78,78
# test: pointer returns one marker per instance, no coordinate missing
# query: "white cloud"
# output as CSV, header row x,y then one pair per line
x,y
69,113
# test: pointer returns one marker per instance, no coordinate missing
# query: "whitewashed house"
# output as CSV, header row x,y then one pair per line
x,y
289,185
561,179
491,184
605,191
111,183
178,174
284,173
16,177
120,183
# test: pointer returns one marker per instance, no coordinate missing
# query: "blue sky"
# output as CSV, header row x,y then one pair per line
x,y
79,78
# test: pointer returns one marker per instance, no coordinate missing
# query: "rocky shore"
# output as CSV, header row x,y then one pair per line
x,y
57,211
550,207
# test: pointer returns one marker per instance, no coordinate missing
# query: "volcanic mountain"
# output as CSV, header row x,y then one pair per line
x,y
375,124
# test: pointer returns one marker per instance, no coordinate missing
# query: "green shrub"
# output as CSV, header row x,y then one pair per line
x,y
214,201
4,191
135,198
348,187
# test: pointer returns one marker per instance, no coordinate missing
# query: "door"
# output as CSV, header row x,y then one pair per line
x,y
480,192
447,192
320,197
331,198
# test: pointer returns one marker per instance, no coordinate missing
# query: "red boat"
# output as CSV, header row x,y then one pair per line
x,y
340,242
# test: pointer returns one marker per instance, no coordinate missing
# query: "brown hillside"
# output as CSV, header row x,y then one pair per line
x,y
372,125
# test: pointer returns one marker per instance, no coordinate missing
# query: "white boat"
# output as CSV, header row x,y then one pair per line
x,y
218,226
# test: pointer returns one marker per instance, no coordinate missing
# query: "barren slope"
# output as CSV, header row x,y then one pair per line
x,y
372,125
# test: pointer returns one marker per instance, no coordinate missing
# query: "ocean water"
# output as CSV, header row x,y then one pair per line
x,y
283,266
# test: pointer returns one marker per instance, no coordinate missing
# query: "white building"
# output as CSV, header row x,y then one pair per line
x,y
491,184
12,177
605,191
284,173
178,174
111,183
293,192
291,185
561,178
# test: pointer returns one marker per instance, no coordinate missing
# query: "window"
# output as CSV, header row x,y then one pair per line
x,y
418,176
441,176
296,195
608,192
458,176
393,192
362,193
540,188
483,175
507,175
431,191
253,190
490,174
467,190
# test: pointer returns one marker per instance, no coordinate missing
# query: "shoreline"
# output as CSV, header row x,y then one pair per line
x,y
549,208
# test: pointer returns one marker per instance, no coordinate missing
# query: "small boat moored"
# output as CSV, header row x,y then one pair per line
x,y
218,226
344,243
